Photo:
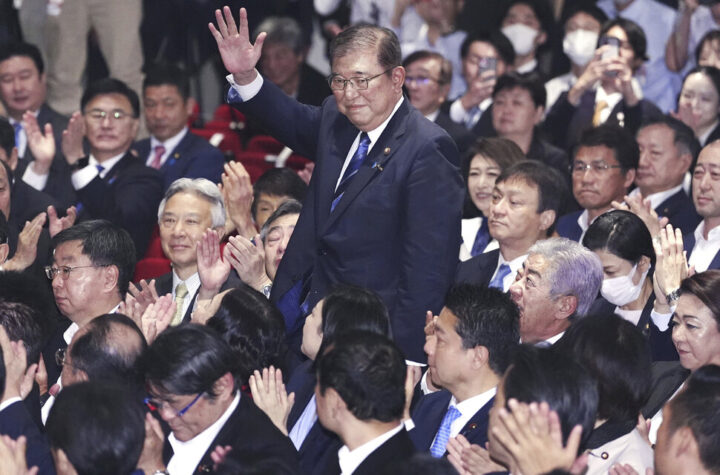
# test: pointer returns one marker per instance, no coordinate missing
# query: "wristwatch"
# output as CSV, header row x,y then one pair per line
x,y
673,296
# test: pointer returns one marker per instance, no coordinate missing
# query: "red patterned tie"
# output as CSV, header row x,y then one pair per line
x,y
157,160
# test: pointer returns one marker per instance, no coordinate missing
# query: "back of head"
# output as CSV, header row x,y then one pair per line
x,y
106,244
368,373
22,322
486,317
573,270
253,327
109,350
188,359
621,233
684,137
28,50
617,355
531,82
167,74
100,427
698,407
543,374
278,182
30,290
706,287
368,38
111,86
617,139
350,308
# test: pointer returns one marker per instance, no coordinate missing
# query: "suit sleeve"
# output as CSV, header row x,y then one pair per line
x,y
14,422
208,164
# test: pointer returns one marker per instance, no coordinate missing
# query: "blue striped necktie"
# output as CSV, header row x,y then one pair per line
x,y
443,435
355,162
497,282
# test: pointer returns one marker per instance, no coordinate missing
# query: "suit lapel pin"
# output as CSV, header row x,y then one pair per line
x,y
386,152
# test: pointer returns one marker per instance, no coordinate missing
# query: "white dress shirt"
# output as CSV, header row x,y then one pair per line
x,y
556,86
657,198
350,460
468,231
704,250
460,115
169,145
83,177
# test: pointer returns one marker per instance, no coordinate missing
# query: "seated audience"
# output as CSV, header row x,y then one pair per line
x,y
602,171
707,52
473,340
171,149
528,24
526,200
703,244
482,164
623,243
695,20
699,103
273,188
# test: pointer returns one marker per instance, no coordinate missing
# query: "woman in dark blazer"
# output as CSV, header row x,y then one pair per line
x,y
699,103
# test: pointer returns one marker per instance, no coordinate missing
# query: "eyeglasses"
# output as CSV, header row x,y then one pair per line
x,y
423,81
597,167
155,405
338,83
52,272
100,115
60,357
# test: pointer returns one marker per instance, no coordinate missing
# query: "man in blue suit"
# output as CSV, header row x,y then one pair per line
x,y
384,205
470,349
171,148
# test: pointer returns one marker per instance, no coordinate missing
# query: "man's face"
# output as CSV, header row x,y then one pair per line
x,y
367,108
661,165
478,51
531,293
451,361
166,112
22,87
514,216
626,51
266,205
109,136
201,415
312,333
514,112
4,193
668,445
276,242
184,220
324,410
421,81
76,296
706,184
596,189
280,64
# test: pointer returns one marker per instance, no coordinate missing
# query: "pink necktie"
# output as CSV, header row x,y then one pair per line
x,y
157,160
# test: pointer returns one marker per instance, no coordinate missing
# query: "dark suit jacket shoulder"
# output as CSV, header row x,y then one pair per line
x,y
462,137
14,422
549,154
568,227
667,376
478,269
398,449
679,209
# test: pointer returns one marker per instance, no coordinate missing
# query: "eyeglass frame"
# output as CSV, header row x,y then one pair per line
x,y
352,80
155,405
60,355
580,167
117,115
66,273
421,80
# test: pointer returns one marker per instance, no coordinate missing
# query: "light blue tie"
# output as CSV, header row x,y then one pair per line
x,y
497,282
18,130
443,435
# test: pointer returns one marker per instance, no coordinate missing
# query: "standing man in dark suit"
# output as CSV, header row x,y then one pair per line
x,y
384,206
171,148
703,244
474,337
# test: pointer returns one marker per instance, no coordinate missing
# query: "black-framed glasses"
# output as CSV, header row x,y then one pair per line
x,y
155,405
100,115
338,83
64,271
597,167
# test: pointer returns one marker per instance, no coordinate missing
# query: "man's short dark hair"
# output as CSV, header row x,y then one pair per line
x,y
253,327
584,6
364,37
496,39
698,407
616,138
110,86
22,322
8,50
7,136
684,138
288,207
617,355
551,185
541,10
105,244
544,374
283,30
486,317
531,82
368,372
109,349
278,182
32,291
167,74
99,426
636,35
188,359
445,64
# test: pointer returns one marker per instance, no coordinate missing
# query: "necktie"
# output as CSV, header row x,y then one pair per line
x,y
18,130
180,294
157,159
497,282
472,118
443,435
597,115
482,238
100,169
355,162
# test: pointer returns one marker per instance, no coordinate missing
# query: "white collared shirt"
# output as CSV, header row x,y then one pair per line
x,y
192,284
703,138
704,250
556,86
350,460
83,177
657,198
527,67
433,115
187,455
169,145
515,266
460,115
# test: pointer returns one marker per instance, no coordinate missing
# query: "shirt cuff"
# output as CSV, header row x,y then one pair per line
x,y
83,177
662,320
246,92
33,179
424,385
458,113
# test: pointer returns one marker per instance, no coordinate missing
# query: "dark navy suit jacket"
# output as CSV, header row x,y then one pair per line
x,y
14,422
463,137
689,244
479,269
428,416
679,209
396,229
193,157
568,227
386,459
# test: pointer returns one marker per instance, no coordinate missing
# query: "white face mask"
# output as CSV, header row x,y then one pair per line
x,y
521,36
621,290
580,45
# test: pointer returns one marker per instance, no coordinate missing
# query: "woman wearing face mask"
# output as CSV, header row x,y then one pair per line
x,y
699,103
623,243
528,24
582,32
485,160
